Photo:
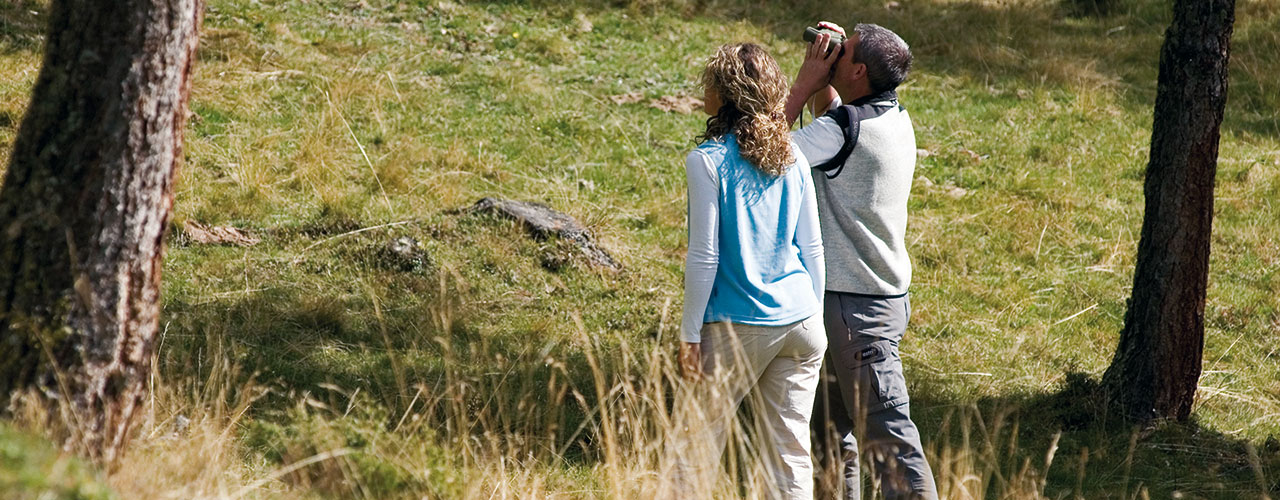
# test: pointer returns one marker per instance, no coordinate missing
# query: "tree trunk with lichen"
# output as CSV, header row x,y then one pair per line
x,y
84,208
1157,366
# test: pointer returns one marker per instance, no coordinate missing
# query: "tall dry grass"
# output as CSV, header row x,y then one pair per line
x,y
463,437
608,422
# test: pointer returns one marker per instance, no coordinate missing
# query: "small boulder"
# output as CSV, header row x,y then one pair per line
x,y
217,235
542,221
403,254
682,104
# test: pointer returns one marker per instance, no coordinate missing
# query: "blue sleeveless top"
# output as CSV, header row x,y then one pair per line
x,y
760,279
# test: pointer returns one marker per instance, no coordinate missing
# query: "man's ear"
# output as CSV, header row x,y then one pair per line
x,y
859,71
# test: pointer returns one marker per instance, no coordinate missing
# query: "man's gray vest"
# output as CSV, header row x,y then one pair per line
x,y
862,200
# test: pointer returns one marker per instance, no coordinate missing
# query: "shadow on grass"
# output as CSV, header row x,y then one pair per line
x,y
328,351
301,341
333,352
303,346
1098,455
22,25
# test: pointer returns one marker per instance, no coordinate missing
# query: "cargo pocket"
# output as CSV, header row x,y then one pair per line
x,y
890,383
875,371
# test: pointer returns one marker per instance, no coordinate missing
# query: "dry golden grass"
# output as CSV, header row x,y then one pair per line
x,y
493,456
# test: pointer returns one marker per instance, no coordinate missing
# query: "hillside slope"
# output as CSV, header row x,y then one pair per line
x,y
476,363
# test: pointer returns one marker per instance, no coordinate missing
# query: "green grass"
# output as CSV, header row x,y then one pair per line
x,y
31,468
312,119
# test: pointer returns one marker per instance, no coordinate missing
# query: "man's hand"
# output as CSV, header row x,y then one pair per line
x,y
815,74
831,26
690,359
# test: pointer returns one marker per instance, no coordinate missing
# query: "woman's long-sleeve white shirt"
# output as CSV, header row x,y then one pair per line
x,y
704,245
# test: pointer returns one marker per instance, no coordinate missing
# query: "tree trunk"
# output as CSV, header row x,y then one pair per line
x,y
84,208
1157,366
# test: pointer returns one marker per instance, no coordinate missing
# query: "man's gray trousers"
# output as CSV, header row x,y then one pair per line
x,y
867,398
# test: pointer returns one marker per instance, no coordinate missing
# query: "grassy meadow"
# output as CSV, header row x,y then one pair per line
x,y
318,364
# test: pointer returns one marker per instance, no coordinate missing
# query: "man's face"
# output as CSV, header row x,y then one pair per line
x,y
845,71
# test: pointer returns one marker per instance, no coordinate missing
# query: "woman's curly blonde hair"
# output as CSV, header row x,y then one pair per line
x,y
753,93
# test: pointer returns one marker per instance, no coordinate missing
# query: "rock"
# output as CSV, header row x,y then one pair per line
x,y
403,254
973,155
682,104
954,191
542,221
558,256
583,24
180,425
217,235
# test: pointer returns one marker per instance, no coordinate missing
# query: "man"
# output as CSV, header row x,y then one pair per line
x,y
865,158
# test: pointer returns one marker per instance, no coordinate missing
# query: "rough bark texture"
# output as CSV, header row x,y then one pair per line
x,y
1157,366
84,207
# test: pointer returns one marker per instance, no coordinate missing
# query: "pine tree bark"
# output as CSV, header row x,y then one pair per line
x,y
84,208
1157,365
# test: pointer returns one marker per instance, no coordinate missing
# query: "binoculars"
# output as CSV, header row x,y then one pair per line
x,y
833,43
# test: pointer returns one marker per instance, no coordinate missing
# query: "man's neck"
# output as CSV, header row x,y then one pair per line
x,y
866,95
848,95
851,92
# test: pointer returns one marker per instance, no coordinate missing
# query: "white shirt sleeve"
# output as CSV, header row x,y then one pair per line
x,y
822,138
704,243
809,233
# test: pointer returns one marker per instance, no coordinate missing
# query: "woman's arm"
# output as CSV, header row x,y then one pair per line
x,y
704,244
809,232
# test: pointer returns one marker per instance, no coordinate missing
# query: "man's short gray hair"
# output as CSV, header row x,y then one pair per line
x,y
884,53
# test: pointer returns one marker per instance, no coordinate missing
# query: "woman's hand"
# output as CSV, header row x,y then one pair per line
x,y
690,361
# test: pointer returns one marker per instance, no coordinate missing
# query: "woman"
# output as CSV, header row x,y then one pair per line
x,y
754,272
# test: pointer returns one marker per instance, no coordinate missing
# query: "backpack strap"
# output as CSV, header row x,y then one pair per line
x,y
851,126
849,117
